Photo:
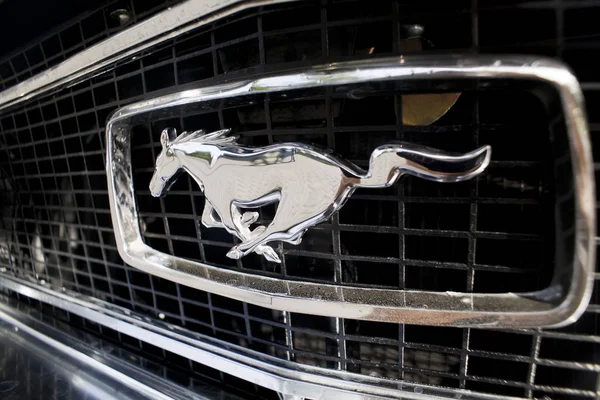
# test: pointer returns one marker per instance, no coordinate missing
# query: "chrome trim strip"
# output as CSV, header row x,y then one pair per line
x,y
155,30
283,376
556,306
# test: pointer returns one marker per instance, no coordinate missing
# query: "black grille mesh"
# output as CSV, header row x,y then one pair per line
x,y
57,227
73,37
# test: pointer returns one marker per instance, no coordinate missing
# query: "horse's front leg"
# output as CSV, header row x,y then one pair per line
x,y
242,222
210,218
278,229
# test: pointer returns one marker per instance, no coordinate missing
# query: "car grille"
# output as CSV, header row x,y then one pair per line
x,y
74,36
416,235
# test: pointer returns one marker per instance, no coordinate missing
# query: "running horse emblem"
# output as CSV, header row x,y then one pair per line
x,y
309,184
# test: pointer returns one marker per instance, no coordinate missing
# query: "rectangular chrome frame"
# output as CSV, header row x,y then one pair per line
x,y
413,307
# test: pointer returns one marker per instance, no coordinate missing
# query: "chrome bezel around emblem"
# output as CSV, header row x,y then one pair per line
x,y
559,304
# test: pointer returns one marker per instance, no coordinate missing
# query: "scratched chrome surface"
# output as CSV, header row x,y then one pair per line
x,y
308,184
557,305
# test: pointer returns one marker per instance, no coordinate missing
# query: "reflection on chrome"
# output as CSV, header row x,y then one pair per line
x,y
308,184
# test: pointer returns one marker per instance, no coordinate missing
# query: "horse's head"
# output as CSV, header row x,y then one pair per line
x,y
167,165
202,145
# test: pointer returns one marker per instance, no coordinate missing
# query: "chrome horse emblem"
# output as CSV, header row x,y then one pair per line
x,y
309,184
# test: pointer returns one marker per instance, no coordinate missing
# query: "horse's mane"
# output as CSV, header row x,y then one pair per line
x,y
218,137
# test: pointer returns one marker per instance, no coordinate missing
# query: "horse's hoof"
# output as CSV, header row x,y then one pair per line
x,y
234,254
250,217
270,254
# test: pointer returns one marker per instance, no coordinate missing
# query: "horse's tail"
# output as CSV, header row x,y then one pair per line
x,y
389,162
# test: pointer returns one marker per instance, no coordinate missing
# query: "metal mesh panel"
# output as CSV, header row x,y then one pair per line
x,y
57,226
